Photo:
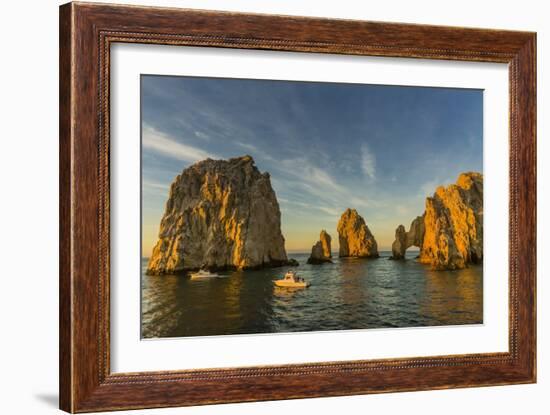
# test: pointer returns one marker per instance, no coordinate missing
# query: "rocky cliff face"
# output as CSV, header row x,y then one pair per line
x,y
321,251
454,224
452,235
354,236
220,214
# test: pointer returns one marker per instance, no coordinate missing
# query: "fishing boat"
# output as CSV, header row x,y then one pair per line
x,y
203,273
291,280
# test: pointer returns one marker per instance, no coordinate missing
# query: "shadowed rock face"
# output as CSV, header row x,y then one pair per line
x,y
321,251
220,214
354,236
453,226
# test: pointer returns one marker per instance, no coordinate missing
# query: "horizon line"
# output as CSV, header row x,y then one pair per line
x,y
333,252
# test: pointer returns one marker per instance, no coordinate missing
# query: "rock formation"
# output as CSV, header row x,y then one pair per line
x,y
404,240
321,251
452,234
220,214
354,236
399,246
454,224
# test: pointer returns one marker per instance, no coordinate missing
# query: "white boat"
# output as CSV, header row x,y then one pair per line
x,y
203,274
291,280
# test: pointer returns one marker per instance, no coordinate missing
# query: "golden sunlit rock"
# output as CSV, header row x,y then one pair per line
x,y
354,236
220,214
452,233
321,251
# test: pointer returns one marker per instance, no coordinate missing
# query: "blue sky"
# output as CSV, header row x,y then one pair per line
x,y
379,149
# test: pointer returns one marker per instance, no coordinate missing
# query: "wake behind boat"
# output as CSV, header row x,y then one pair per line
x,y
291,280
203,274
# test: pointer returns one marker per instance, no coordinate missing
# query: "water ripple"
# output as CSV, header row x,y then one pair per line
x,y
349,294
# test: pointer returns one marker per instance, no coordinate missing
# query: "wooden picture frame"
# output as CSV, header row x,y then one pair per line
x,y
86,33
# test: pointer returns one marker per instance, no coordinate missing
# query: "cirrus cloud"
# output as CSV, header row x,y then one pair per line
x,y
368,162
165,145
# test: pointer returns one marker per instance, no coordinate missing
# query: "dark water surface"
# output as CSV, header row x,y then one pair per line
x,y
348,294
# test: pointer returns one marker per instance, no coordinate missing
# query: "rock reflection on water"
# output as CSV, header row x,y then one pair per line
x,y
348,294
451,294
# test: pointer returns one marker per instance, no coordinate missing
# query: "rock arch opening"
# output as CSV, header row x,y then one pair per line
x,y
404,240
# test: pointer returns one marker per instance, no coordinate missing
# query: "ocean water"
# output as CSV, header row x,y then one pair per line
x,y
348,294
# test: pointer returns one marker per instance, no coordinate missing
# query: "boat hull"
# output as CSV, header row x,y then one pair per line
x,y
200,276
290,284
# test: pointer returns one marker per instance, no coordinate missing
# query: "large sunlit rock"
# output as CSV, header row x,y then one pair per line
x,y
220,214
454,224
450,233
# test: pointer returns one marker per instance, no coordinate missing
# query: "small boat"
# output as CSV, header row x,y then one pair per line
x,y
291,280
203,273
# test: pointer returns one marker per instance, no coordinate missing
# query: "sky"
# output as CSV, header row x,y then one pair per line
x,y
380,149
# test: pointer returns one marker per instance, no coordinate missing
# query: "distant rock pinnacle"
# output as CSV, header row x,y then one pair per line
x,y
354,236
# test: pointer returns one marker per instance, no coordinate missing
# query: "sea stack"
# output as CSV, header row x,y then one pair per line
x,y
354,236
220,214
450,233
321,251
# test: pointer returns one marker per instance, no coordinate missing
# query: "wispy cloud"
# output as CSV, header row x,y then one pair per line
x,y
202,136
360,202
319,177
330,211
368,162
306,179
246,146
154,185
295,202
167,146
309,174
154,189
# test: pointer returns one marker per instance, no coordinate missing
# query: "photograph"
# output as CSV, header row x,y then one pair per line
x,y
278,206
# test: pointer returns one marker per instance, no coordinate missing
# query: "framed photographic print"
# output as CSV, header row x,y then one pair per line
x,y
260,207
